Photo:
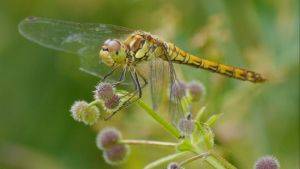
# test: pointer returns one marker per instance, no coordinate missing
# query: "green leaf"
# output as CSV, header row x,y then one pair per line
x,y
200,114
212,120
209,138
185,145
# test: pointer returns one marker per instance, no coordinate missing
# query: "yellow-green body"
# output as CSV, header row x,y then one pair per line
x,y
141,46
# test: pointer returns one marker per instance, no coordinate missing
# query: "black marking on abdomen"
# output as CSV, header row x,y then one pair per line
x,y
177,53
198,62
213,68
228,72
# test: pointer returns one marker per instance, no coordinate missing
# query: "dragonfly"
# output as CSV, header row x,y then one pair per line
x,y
113,52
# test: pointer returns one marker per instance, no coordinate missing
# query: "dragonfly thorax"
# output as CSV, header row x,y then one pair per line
x,y
113,52
143,46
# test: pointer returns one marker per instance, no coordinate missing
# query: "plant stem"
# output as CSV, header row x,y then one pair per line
x,y
148,142
166,159
221,160
170,128
95,102
218,162
203,155
214,162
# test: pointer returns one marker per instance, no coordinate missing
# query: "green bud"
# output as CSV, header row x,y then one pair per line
x,y
77,110
212,120
91,115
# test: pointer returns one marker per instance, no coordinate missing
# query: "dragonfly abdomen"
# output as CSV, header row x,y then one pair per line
x,y
179,56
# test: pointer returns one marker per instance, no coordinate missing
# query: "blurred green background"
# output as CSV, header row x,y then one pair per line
x,y
38,85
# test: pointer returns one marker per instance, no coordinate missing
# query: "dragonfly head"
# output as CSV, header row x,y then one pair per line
x,y
112,52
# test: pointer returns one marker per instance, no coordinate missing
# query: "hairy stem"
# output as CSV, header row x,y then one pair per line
x,y
203,155
215,162
166,159
148,142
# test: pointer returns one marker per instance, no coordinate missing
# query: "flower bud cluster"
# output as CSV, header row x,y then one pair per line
x,y
186,126
173,165
81,111
106,93
194,89
108,140
267,162
179,89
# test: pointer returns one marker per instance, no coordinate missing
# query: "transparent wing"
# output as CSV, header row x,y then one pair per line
x,y
158,80
177,102
90,63
155,72
83,39
69,36
160,74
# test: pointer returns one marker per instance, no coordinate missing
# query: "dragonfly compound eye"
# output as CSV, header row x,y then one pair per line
x,y
105,49
113,50
112,45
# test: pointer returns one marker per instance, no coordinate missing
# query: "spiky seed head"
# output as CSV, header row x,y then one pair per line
x,y
78,109
104,91
196,90
107,138
91,115
112,103
173,165
116,154
186,126
267,162
179,89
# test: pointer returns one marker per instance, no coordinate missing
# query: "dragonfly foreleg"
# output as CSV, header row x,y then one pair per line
x,y
131,99
137,82
122,77
110,73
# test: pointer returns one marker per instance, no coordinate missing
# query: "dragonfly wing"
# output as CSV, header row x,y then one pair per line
x,y
83,39
177,103
155,72
158,80
160,74
69,36
90,63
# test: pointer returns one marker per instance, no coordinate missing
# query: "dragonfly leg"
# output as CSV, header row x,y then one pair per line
x,y
137,83
143,78
122,77
145,82
110,73
138,89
